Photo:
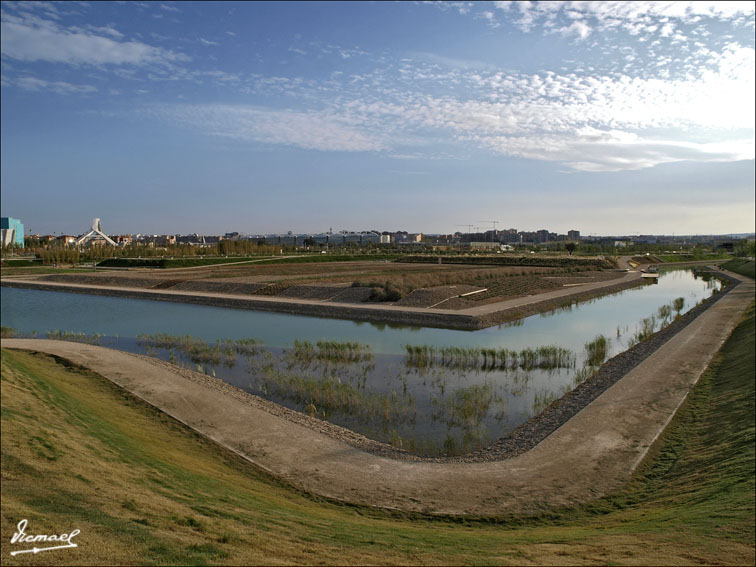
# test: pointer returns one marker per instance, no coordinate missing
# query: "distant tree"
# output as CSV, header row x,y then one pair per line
x,y
570,246
309,241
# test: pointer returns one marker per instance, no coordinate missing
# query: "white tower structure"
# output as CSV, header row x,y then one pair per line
x,y
95,235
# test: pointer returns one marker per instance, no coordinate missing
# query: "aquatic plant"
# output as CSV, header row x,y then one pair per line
x,y
596,350
305,353
548,357
465,407
543,399
678,304
82,337
321,397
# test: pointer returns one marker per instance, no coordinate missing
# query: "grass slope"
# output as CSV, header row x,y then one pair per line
x,y
741,266
79,453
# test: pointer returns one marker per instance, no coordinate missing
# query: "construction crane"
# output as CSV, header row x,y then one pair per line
x,y
469,227
493,222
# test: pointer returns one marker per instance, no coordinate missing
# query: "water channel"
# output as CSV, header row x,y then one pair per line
x,y
448,393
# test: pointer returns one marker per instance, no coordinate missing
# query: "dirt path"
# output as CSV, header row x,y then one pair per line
x,y
592,454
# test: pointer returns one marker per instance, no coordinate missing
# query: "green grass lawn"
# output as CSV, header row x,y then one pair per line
x,y
77,452
740,266
693,257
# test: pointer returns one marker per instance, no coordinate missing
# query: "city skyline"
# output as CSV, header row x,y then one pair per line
x,y
608,118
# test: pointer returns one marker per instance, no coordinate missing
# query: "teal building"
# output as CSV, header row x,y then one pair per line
x,y
12,231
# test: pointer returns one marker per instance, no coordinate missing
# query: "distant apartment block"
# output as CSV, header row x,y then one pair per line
x,y
12,231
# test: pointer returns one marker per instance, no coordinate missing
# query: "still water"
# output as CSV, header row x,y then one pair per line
x,y
452,399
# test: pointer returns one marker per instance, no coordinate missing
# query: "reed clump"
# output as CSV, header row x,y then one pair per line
x,y
549,357
305,352
466,407
199,351
82,337
596,350
322,397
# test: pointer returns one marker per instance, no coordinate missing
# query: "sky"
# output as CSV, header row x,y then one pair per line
x,y
611,118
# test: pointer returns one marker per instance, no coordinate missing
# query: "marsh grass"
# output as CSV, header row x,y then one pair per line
x,y
550,357
199,351
465,407
543,399
81,337
305,352
659,320
596,350
320,397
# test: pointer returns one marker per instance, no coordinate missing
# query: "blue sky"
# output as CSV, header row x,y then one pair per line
x,y
178,117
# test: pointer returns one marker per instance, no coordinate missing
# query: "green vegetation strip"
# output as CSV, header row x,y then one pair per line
x,y
78,452
555,262
170,262
740,266
696,257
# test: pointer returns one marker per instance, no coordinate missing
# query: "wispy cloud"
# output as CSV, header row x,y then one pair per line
x,y
634,17
59,87
588,122
308,130
30,38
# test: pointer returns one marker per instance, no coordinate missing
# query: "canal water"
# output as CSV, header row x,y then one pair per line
x,y
431,391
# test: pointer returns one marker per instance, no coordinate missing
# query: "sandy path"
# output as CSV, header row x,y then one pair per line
x,y
592,454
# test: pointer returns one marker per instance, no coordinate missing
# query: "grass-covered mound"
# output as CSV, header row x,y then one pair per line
x,y
77,452
506,260
740,266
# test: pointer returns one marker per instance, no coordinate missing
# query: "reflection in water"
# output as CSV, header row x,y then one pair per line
x,y
429,391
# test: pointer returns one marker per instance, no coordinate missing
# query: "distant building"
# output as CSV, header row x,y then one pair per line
x,y
573,235
12,232
490,246
95,237
66,239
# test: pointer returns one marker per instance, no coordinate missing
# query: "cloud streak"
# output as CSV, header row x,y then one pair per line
x,y
308,130
587,123
29,38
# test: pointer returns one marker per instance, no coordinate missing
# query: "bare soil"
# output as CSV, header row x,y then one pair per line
x,y
422,285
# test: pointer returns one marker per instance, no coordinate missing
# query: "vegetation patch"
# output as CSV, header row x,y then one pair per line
x,y
140,487
550,357
741,266
502,260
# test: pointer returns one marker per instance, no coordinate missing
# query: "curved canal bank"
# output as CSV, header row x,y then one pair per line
x,y
589,455
470,319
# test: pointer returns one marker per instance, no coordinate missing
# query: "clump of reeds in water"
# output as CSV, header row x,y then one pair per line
x,y
549,357
596,350
82,337
200,351
678,305
320,397
305,352
465,407
543,399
